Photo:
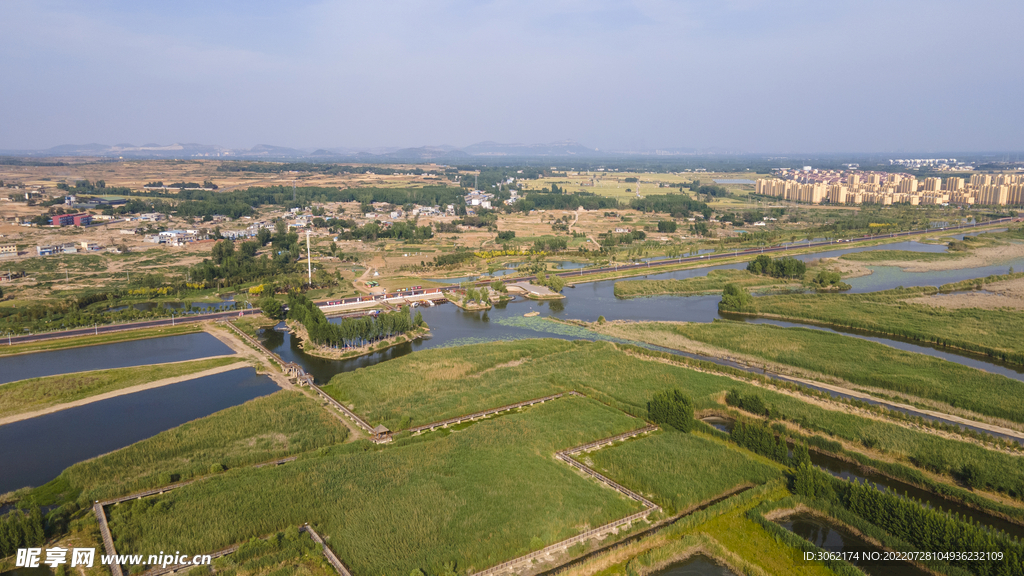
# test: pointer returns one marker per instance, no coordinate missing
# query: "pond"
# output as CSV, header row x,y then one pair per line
x,y
696,565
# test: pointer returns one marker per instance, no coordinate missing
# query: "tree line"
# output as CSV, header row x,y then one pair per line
x,y
785,267
349,332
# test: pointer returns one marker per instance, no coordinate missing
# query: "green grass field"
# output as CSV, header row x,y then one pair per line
x,y
38,393
442,383
680,470
263,429
993,332
715,281
853,360
475,497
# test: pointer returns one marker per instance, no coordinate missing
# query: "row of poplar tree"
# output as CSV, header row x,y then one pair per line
x,y
349,332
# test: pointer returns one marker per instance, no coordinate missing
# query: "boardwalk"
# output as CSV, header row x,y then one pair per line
x,y
483,414
565,456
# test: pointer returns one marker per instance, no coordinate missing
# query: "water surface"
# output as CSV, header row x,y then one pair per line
x,y
115,355
35,451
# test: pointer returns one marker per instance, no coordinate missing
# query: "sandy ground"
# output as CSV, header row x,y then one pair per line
x,y
981,257
242,349
122,392
1005,294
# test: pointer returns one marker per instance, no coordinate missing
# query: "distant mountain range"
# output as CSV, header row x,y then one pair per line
x,y
441,154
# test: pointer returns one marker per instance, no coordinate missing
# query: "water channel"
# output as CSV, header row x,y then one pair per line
x,y
827,536
35,451
855,473
115,355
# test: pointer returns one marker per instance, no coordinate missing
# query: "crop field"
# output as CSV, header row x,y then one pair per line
x,y
37,393
475,497
853,360
442,383
993,332
263,429
679,470
715,281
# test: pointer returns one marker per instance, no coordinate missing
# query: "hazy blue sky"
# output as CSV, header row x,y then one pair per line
x,y
744,75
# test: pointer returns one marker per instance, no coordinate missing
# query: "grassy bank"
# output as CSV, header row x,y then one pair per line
x,y
38,393
266,428
852,360
125,335
901,256
994,333
475,498
715,281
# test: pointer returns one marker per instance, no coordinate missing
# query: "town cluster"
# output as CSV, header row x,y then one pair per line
x,y
856,187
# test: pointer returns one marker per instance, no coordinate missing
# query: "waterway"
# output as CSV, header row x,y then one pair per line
x,y
696,565
827,536
115,355
852,472
35,451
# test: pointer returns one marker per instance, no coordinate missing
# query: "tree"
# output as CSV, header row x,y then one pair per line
x,y
249,248
271,308
418,320
499,286
1,293
263,236
735,299
666,226
671,408
222,250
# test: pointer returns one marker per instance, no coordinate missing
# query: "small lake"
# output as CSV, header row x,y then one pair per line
x,y
833,538
696,565
115,355
35,451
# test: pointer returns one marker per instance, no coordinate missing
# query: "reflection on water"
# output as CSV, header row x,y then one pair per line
x,y
824,535
697,565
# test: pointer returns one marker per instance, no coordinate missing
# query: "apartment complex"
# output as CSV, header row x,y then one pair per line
x,y
854,187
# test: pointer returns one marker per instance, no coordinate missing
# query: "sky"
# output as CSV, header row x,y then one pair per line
x,y
772,76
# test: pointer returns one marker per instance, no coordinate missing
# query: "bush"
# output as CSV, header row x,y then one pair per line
x,y
735,299
217,468
672,408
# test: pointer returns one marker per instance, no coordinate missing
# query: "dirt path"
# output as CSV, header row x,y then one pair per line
x,y
122,392
243,350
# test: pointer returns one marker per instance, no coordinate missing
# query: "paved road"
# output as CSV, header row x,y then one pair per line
x,y
106,328
581,272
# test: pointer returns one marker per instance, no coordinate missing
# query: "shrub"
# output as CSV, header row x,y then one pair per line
x,y
735,299
672,408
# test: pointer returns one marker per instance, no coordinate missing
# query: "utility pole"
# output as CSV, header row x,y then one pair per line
x,y
309,259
